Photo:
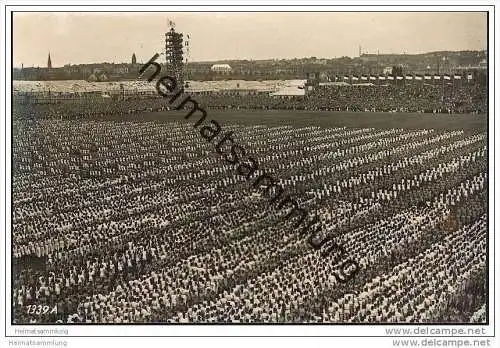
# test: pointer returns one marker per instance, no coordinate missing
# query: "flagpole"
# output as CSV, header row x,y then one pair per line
x,y
442,91
453,92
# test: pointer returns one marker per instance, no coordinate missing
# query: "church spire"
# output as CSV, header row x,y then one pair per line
x,y
134,59
49,62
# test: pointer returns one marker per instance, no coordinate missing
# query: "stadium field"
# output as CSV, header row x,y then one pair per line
x,y
466,122
136,219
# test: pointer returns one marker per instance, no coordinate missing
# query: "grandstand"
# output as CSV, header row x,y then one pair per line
x,y
456,97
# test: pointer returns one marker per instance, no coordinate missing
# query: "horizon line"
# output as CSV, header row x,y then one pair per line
x,y
264,59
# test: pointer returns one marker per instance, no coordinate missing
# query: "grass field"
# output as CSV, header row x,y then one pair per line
x,y
334,119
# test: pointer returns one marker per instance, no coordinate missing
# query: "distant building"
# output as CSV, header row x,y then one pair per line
x,y
221,68
382,58
134,59
71,69
120,69
49,62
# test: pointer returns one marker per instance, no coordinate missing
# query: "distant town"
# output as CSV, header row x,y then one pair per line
x,y
443,62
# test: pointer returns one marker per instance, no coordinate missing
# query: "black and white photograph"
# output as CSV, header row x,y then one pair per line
x,y
243,168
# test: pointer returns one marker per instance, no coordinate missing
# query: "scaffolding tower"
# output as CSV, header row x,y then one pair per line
x,y
174,44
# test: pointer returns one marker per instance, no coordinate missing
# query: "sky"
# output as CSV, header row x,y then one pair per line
x,y
76,38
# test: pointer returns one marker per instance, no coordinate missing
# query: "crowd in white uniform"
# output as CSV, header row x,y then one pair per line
x,y
144,222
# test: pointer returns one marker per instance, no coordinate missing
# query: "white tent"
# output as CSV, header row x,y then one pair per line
x,y
290,91
334,84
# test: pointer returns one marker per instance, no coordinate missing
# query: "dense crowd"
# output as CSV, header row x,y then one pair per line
x,y
419,98
121,222
412,98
